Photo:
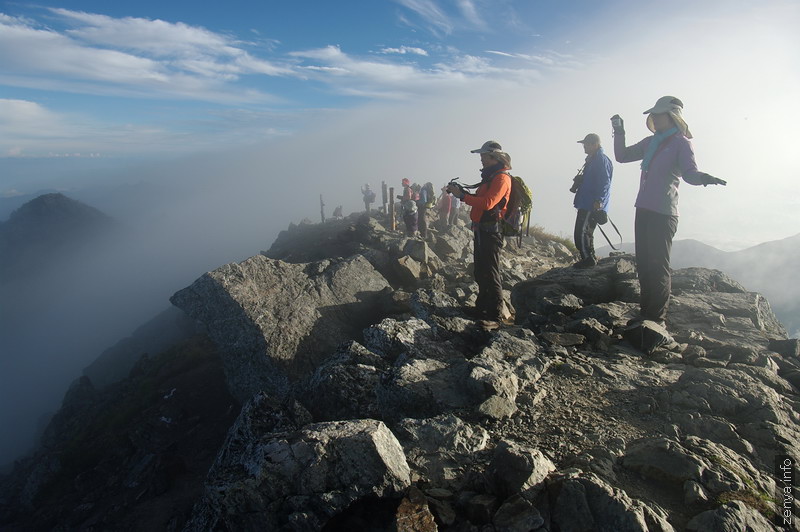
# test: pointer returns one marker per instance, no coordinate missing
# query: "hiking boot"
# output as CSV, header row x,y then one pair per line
x,y
474,312
489,325
636,320
588,262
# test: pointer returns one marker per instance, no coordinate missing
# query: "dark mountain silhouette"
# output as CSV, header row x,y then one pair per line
x,y
9,204
47,229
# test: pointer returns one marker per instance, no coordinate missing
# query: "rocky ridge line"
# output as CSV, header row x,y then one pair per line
x,y
381,406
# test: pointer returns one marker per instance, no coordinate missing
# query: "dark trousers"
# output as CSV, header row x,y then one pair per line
x,y
411,223
654,234
584,233
487,273
422,221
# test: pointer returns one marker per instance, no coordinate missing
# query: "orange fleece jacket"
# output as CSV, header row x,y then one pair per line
x,y
486,197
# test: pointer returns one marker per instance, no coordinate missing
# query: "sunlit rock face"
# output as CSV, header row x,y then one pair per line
x,y
273,320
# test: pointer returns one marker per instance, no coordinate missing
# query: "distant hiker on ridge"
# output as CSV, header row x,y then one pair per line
x,y
426,200
666,156
408,206
488,206
443,208
369,197
592,189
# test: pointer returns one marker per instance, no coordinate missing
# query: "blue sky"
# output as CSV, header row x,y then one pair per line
x,y
151,69
105,83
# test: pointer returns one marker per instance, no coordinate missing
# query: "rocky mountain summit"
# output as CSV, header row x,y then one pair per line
x,y
47,229
338,384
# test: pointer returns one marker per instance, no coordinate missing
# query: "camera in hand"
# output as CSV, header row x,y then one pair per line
x,y
577,181
455,188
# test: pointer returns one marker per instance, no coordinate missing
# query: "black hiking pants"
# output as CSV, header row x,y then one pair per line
x,y
654,232
422,220
584,233
487,273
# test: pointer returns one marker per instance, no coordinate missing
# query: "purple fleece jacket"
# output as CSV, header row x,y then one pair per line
x,y
658,187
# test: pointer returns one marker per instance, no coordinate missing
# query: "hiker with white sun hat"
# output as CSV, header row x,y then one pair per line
x,y
667,157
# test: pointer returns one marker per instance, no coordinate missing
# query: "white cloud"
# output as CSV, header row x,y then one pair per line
x,y
153,58
470,13
160,39
432,16
404,50
380,79
540,59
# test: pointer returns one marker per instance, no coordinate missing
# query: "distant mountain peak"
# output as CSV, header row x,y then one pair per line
x,y
57,207
47,228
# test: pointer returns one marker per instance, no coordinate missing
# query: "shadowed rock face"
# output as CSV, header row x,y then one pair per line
x,y
273,320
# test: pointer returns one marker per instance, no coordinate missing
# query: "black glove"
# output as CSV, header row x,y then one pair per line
x,y
618,125
711,180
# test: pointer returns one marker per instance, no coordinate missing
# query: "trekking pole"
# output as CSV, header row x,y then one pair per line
x,y
321,209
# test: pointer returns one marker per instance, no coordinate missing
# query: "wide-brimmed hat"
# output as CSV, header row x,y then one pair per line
x,y
493,147
673,106
490,146
591,138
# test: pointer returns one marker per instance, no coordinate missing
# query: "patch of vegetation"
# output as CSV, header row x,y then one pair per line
x,y
539,232
759,501
752,497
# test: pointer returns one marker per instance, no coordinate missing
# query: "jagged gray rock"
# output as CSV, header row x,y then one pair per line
x,y
517,470
440,449
272,320
585,502
517,514
343,387
270,476
733,516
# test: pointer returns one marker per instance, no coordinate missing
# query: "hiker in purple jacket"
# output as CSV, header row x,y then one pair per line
x,y
666,157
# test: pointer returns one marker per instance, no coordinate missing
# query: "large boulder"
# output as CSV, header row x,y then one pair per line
x,y
273,320
440,449
297,479
569,289
583,501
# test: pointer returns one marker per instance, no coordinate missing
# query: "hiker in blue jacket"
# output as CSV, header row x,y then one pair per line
x,y
592,188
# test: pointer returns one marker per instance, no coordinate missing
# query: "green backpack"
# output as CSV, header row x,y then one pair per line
x,y
518,208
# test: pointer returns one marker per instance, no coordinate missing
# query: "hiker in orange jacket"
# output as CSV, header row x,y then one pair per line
x,y
488,206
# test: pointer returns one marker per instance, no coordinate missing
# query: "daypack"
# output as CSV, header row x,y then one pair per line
x,y
369,196
431,195
409,206
518,208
